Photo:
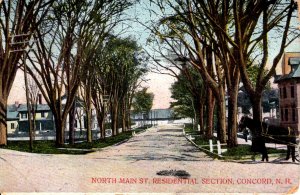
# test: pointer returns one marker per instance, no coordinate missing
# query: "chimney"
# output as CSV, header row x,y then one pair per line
x,y
17,104
40,99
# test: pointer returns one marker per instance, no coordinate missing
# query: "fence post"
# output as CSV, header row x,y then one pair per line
x,y
219,148
211,146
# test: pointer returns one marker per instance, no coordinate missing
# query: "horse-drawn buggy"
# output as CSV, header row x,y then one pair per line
x,y
263,133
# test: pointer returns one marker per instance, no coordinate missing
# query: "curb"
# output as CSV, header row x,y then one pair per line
x,y
226,158
141,131
249,157
122,142
211,154
77,149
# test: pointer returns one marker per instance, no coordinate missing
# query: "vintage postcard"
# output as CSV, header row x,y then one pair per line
x,y
159,96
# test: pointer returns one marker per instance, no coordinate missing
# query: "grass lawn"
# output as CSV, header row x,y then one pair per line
x,y
244,151
48,147
43,147
239,152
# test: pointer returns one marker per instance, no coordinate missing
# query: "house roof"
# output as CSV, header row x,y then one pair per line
x,y
12,115
295,70
78,102
40,107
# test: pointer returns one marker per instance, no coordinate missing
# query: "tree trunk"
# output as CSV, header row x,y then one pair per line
x,y
114,118
102,127
3,131
3,124
29,111
60,128
101,123
34,128
232,117
210,98
256,106
222,118
124,127
233,90
100,112
197,112
210,113
218,122
72,114
128,120
88,125
88,113
201,118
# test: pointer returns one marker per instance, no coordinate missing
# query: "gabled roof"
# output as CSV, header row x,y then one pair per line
x,y
40,107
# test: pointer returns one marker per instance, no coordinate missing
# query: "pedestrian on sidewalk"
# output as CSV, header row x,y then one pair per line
x,y
245,134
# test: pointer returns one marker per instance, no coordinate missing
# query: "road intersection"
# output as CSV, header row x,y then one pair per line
x,y
158,160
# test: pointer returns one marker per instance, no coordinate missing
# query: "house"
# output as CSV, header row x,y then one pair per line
x,y
12,118
43,118
80,116
289,91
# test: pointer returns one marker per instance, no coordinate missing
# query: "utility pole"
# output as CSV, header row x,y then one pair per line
x,y
25,50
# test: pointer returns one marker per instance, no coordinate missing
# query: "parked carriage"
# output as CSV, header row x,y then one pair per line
x,y
264,133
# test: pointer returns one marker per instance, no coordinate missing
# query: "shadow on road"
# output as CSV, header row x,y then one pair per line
x,y
275,161
165,157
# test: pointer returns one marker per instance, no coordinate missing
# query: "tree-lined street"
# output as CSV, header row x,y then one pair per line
x,y
85,65
114,169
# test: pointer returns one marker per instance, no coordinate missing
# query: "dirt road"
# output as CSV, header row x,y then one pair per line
x,y
146,163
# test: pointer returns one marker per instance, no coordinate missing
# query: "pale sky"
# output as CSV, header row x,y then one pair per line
x,y
158,84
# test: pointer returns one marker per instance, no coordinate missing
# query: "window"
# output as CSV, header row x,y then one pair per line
x,y
292,91
24,115
282,114
280,92
12,125
43,114
294,115
286,114
284,92
76,123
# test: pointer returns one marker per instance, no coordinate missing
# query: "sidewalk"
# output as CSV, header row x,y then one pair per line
x,y
268,145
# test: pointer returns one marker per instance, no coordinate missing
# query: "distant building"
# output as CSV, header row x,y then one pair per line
x,y
80,116
12,118
17,118
43,118
289,90
157,114
285,65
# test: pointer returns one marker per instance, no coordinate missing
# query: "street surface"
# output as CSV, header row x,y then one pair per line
x,y
133,167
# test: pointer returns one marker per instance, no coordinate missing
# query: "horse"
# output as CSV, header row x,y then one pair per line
x,y
264,133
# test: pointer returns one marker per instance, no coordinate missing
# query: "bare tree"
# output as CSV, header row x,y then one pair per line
x,y
32,96
58,59
237,32
17,17
254,33
180,35
109,16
